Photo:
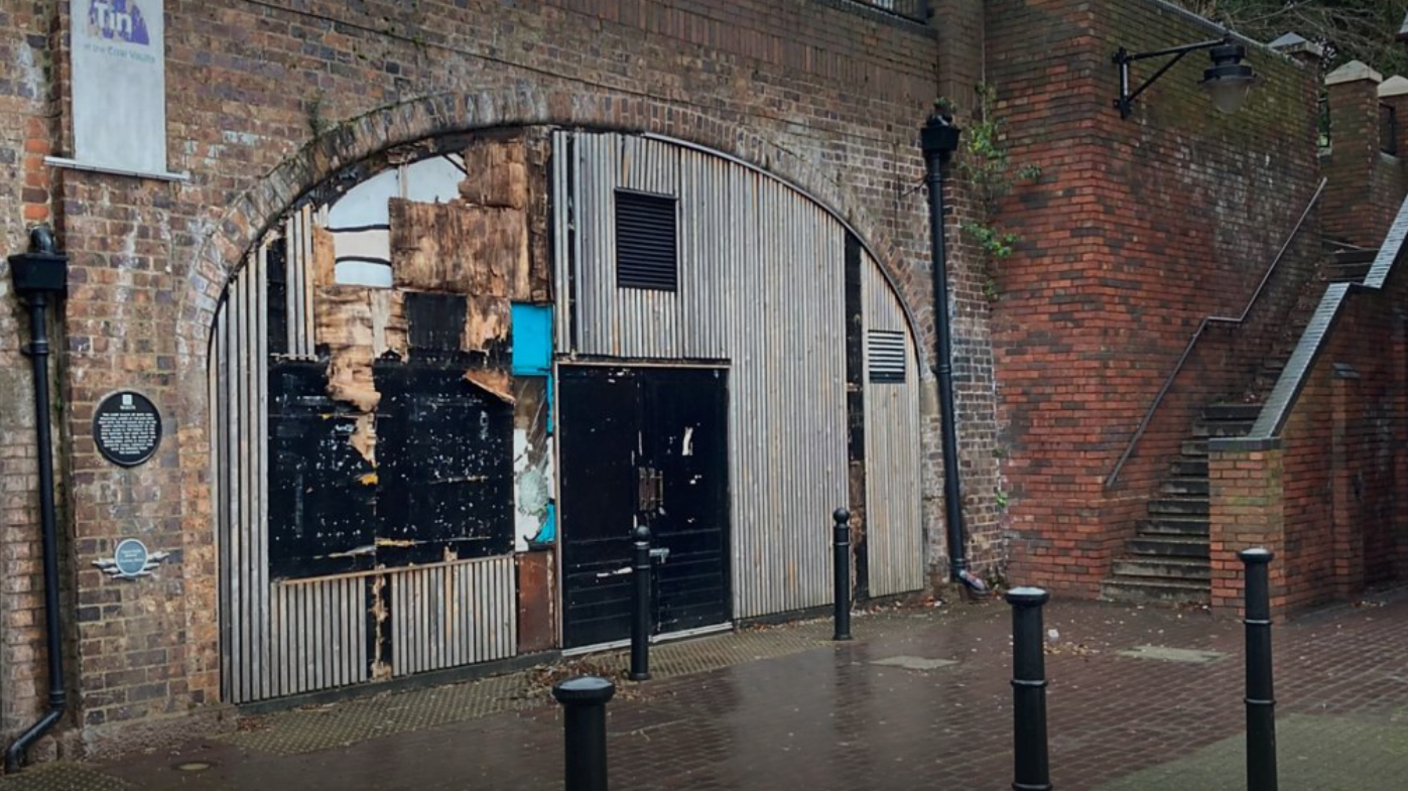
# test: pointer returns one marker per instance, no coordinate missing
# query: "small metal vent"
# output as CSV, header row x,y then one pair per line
x,y
887,355
645,241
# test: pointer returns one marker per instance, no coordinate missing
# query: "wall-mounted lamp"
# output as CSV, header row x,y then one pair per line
x,y
1227,80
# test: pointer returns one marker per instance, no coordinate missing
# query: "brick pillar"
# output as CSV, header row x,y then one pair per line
x,y
1247,510
1394,93
1354,150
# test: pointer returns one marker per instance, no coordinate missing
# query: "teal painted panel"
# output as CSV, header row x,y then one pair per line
x,y
532,340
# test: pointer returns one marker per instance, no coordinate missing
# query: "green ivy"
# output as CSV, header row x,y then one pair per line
x,y
986,168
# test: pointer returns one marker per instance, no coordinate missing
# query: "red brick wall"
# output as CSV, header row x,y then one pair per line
x,y
828,94
1137,230
1339,525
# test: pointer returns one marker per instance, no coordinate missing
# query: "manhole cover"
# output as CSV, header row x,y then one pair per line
x,y
914,662
1166,654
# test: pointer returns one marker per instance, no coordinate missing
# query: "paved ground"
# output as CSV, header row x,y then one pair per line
x,y
1140,699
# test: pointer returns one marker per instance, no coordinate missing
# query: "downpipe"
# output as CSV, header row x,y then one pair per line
x,y
939,139
37,275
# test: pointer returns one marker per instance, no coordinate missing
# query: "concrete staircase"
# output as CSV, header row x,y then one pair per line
x,y
1167,560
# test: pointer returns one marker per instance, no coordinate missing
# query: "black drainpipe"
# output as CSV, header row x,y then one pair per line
x,y
37,274
939,139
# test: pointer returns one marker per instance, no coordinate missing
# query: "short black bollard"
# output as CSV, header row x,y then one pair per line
x,y
1261,702
1031,768
583,701
842,563
640,618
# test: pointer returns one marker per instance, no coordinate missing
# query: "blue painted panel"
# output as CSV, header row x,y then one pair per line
x,y
532,340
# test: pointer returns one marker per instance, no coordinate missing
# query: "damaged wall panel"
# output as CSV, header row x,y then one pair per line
x,y
446,474
457,248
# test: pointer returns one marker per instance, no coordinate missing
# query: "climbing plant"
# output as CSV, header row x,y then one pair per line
x,y
989,172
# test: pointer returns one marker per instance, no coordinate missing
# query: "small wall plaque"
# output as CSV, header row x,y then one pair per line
x,y
127,428
131,560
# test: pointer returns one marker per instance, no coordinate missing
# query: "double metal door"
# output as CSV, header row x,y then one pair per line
x,y
643,445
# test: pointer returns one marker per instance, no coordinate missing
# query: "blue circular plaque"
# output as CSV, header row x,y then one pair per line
x,y
131,557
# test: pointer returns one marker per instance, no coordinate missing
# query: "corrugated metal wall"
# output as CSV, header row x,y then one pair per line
x,y
284,637
894,531
761,285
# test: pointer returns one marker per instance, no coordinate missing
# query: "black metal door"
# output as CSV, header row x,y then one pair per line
x,y
643,445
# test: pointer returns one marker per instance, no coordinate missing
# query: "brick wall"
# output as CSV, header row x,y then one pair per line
x,y
827,94
1336,511
1136,231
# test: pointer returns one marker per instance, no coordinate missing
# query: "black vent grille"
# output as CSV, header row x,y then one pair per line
x,y
887,356
645,242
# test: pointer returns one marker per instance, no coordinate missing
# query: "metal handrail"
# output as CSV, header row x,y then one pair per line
x,y
1193,341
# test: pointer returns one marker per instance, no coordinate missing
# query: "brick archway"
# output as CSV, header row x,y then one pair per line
x,y
251,214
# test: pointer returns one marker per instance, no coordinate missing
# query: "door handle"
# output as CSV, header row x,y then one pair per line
x,y
616,573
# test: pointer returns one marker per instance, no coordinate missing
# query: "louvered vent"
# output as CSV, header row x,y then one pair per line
x,y
645,241
887,355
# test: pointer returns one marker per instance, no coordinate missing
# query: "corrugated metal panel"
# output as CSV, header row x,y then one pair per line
x,y
287,637
762,285
894,531
453,614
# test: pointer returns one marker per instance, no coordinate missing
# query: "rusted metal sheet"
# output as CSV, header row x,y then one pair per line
x,y
894,529
761,284
537,610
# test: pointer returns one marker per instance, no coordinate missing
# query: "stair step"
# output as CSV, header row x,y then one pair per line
x,y
1195,447
1231,411
1171,569
1190,527
1186,467
1189,506
1171,546
1222,428
1183,486
1136,590
1355,256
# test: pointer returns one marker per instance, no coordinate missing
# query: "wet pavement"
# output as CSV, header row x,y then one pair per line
x,y
1144,699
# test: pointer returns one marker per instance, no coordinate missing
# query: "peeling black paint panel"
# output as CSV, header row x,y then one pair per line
x,y
436,322
446,467
598,412
277,297
321,506
855,409
686,436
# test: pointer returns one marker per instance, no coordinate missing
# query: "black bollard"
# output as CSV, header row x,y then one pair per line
x,y
583,701
1032,770
1261,703
843,573
640,619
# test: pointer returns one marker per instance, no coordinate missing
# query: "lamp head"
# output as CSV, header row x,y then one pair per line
x,y
1228,80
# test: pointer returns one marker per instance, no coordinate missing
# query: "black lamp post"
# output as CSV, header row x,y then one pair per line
x,y
939,139
1227,80
38,275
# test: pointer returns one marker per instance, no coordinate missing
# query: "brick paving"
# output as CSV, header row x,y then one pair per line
x,y
815,715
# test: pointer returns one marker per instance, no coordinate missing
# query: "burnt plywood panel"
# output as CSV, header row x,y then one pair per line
x,y
487,326
458,248
539,147
436,323
344,328
496,173
446,471
321,489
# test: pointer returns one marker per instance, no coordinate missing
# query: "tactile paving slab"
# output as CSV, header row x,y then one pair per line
x,y
61,776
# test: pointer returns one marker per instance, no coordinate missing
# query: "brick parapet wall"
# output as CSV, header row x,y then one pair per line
x,y
1343,462
1366,184
826,95
1248,510
1136,231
